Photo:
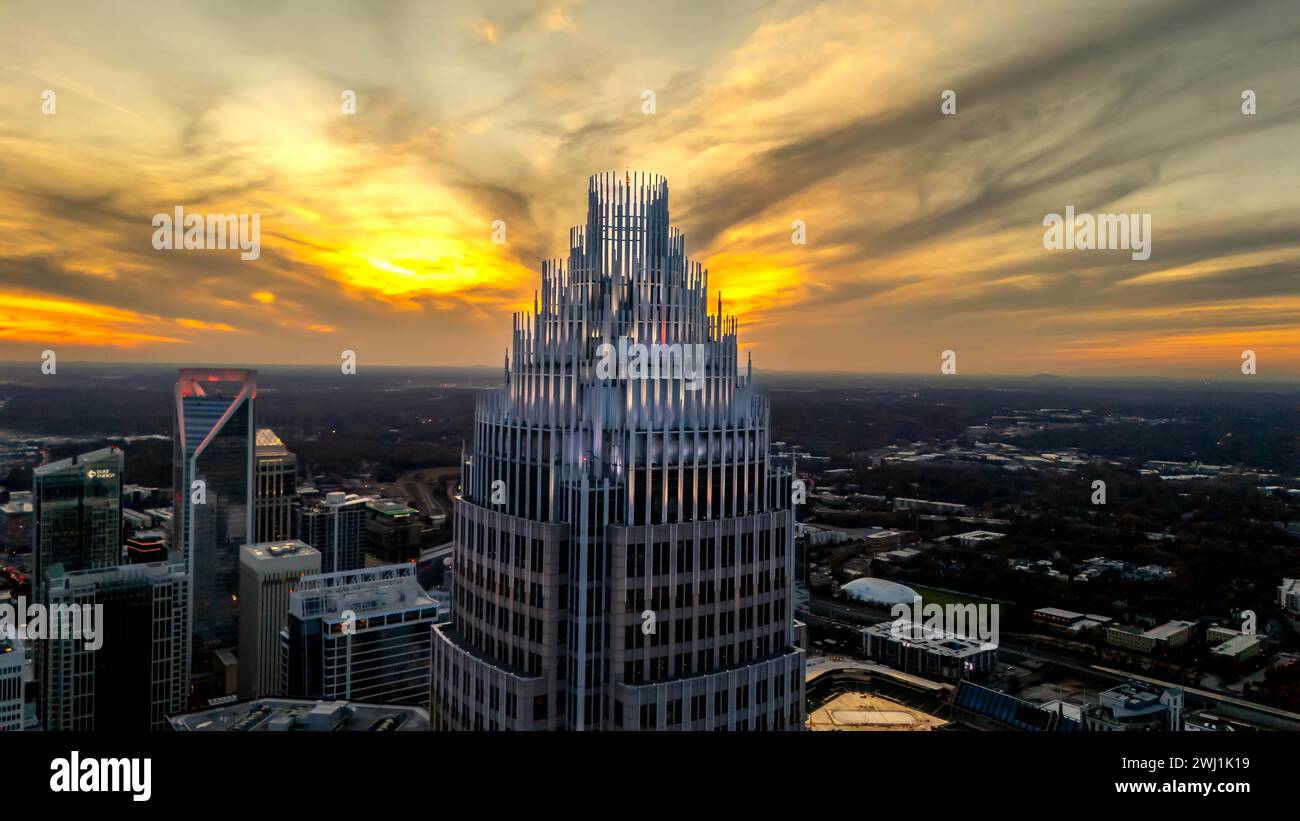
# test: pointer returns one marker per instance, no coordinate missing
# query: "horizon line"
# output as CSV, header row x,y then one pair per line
x,y
1043,375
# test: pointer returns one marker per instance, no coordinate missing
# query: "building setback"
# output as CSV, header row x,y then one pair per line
x,y
623,544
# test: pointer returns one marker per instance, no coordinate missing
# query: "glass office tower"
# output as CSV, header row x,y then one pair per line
x,y
77,514
213,469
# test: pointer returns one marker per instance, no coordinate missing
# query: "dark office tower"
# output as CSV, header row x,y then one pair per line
x,y
77,513
213,493
276,485
359,636
139,674
623,553
336,526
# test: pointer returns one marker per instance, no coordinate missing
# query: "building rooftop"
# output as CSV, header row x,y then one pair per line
x,y
336,499
268,442
1059,613
370,592
298,715
934,641
269,551
1012,712
391,507
1134,698
1167,629
979,535
1237,644
110,452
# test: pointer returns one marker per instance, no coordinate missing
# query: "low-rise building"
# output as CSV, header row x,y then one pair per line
x,y
974,538
1056,617
1136,705
914,648
928,506
1239,648
1166,636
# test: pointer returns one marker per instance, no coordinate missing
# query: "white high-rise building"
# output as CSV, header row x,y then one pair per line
x,y
268,573
624,544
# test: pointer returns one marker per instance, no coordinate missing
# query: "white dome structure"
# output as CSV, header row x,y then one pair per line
x,y
879,592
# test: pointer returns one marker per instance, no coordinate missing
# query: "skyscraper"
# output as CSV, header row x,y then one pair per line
x,y
268,572
336,526
624,547
139,674
276,485
359,636
214,448
77,513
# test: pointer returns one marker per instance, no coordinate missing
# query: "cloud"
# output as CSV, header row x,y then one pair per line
x,y
923,230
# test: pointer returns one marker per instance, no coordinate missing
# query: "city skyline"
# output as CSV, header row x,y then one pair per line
x,y
924,230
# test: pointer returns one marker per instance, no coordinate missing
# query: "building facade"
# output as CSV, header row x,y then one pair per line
x,y
139,675
213,463
1288,596
268,573
1165,637
623,544
12,690
77,514
360,635
276,482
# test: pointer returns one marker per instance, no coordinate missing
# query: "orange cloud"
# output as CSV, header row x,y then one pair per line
x,y
30,318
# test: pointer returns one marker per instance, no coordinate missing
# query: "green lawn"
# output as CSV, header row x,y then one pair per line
x,y
942,597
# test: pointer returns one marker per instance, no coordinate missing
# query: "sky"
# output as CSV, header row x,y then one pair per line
x,y
923,230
